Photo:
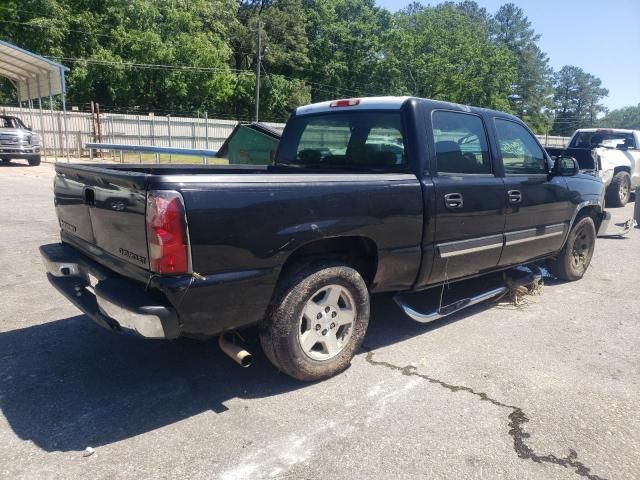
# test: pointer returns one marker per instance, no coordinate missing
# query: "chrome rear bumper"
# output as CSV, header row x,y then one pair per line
x,y
111,301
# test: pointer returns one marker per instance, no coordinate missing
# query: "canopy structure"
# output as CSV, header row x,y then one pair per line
x,y
34,77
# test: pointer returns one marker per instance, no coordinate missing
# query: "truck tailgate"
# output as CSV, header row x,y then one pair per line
x,y
104,208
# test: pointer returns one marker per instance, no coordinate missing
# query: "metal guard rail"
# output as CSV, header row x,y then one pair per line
x,y
121,147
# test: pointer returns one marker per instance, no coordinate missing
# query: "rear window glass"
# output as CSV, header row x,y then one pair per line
x,y
603,139
350,140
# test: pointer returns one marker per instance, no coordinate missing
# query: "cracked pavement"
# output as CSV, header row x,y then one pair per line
x,y
548,390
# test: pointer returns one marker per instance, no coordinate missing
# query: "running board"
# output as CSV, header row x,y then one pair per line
x,y
447,309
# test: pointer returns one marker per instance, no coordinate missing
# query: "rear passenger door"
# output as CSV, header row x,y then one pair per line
x,y
538,206
469,197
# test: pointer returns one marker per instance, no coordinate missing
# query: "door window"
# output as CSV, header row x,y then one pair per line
x,y
521,154
460,143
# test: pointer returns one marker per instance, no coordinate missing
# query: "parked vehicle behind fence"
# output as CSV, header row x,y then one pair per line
x,y
17,141
387,194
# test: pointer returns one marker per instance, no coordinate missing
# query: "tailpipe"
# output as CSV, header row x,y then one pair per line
x,y
236,352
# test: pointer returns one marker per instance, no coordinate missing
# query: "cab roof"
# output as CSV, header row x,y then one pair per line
x,y
391,103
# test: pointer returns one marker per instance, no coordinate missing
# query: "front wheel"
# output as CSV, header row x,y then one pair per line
x,y
574,259
317,322
619,191
34,161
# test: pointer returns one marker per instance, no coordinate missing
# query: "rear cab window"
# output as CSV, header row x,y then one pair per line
x,y
351,140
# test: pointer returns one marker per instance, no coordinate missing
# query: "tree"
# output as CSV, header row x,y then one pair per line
x,y
452,57
577,97
627,117
531,93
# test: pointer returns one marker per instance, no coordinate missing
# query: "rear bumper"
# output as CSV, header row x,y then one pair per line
x,y
113,302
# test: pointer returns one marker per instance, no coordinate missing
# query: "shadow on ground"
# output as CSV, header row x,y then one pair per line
x,y
68,384
23,163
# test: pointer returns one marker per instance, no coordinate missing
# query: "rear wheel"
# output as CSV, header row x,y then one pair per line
x,y
574,259
619,191
317,322
34,161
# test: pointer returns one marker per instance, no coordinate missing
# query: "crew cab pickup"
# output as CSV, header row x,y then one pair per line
x,y
386,194
611,154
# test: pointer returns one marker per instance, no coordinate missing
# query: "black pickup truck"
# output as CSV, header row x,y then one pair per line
x,y
388,194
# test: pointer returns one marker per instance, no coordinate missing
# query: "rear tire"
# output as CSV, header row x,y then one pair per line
x,y
574,259
619,191
317,321
34,161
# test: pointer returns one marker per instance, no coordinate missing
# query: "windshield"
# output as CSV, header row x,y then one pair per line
x,y
602,139
353,140
11,122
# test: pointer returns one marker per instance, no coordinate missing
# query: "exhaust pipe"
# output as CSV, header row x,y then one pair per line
x,y
236,352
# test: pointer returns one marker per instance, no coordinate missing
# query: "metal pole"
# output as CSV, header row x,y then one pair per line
x,y
258,60
99,125
53,120
64,112
206,136
18,94
169,131
139,139
30,104
42,131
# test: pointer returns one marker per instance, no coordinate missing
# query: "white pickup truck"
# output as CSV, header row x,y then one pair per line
x,y
17,141
610,153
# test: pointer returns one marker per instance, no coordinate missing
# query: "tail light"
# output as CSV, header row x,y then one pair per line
x,y
167,236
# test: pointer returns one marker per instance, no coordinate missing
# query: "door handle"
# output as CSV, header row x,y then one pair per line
x,y
515,196
453,200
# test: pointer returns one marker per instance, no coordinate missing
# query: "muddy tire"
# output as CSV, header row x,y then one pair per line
x,y
619,190
574,259
316,322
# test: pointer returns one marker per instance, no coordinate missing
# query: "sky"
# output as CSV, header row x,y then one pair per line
x,y
601,37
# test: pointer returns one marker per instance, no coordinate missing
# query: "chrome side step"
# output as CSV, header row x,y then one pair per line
x,y
447,309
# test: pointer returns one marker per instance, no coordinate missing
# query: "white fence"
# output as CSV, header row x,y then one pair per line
x,y
82,128
168,131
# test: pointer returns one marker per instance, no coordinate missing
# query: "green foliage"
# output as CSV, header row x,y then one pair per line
x,y
577,98
530,96
124,54
627,117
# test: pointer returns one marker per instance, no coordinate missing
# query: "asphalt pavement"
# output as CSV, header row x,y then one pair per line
x,y
548,389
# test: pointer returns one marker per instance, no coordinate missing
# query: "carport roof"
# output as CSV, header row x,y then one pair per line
x,y
33,76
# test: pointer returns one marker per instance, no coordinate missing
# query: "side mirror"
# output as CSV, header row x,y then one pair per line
x,y
566,166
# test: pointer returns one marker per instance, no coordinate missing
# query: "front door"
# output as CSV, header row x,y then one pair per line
x,y
469,198
538,206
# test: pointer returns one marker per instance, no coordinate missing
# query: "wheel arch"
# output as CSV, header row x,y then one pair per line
x,y
358,252
622,168
588,208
